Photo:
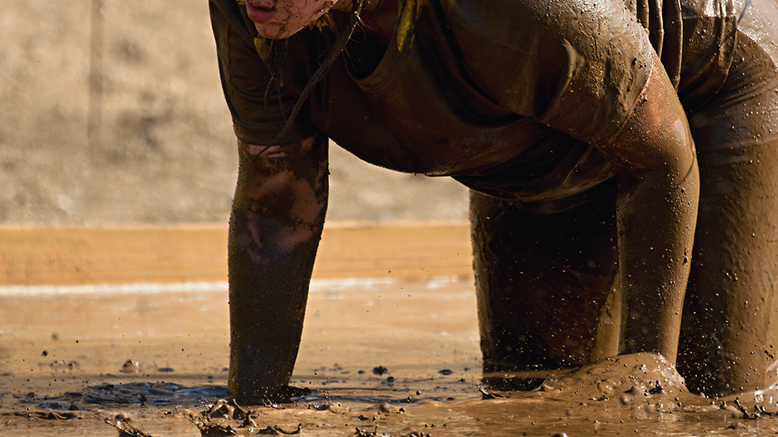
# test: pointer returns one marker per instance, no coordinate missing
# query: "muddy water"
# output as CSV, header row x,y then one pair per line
x,y
380,358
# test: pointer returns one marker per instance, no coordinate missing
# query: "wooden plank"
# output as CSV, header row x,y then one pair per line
x,y
189,253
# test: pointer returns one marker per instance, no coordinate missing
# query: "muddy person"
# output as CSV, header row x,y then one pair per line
x,y
622,157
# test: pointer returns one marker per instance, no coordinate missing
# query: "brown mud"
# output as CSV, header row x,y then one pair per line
x,y
379,358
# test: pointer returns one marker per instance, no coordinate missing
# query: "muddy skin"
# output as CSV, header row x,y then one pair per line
x,y
289,16
547,309
276,224
728,342
515,333
656,213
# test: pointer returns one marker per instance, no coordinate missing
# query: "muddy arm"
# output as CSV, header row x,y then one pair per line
x,y
275,227
656,211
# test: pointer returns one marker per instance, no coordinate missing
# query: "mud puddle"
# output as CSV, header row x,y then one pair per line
x,y
379,358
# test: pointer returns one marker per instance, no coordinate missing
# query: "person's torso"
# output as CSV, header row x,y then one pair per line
x,y
419,108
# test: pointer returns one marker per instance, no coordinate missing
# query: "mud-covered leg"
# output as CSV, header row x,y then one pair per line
x,y
728,340
276,224
541,281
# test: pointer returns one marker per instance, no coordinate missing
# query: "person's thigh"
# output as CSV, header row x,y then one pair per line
x,y
727,335
542,281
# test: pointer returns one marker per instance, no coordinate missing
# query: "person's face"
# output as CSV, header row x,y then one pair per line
x,y
277,19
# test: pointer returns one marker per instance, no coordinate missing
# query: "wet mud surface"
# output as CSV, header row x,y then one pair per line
x,y
379,358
